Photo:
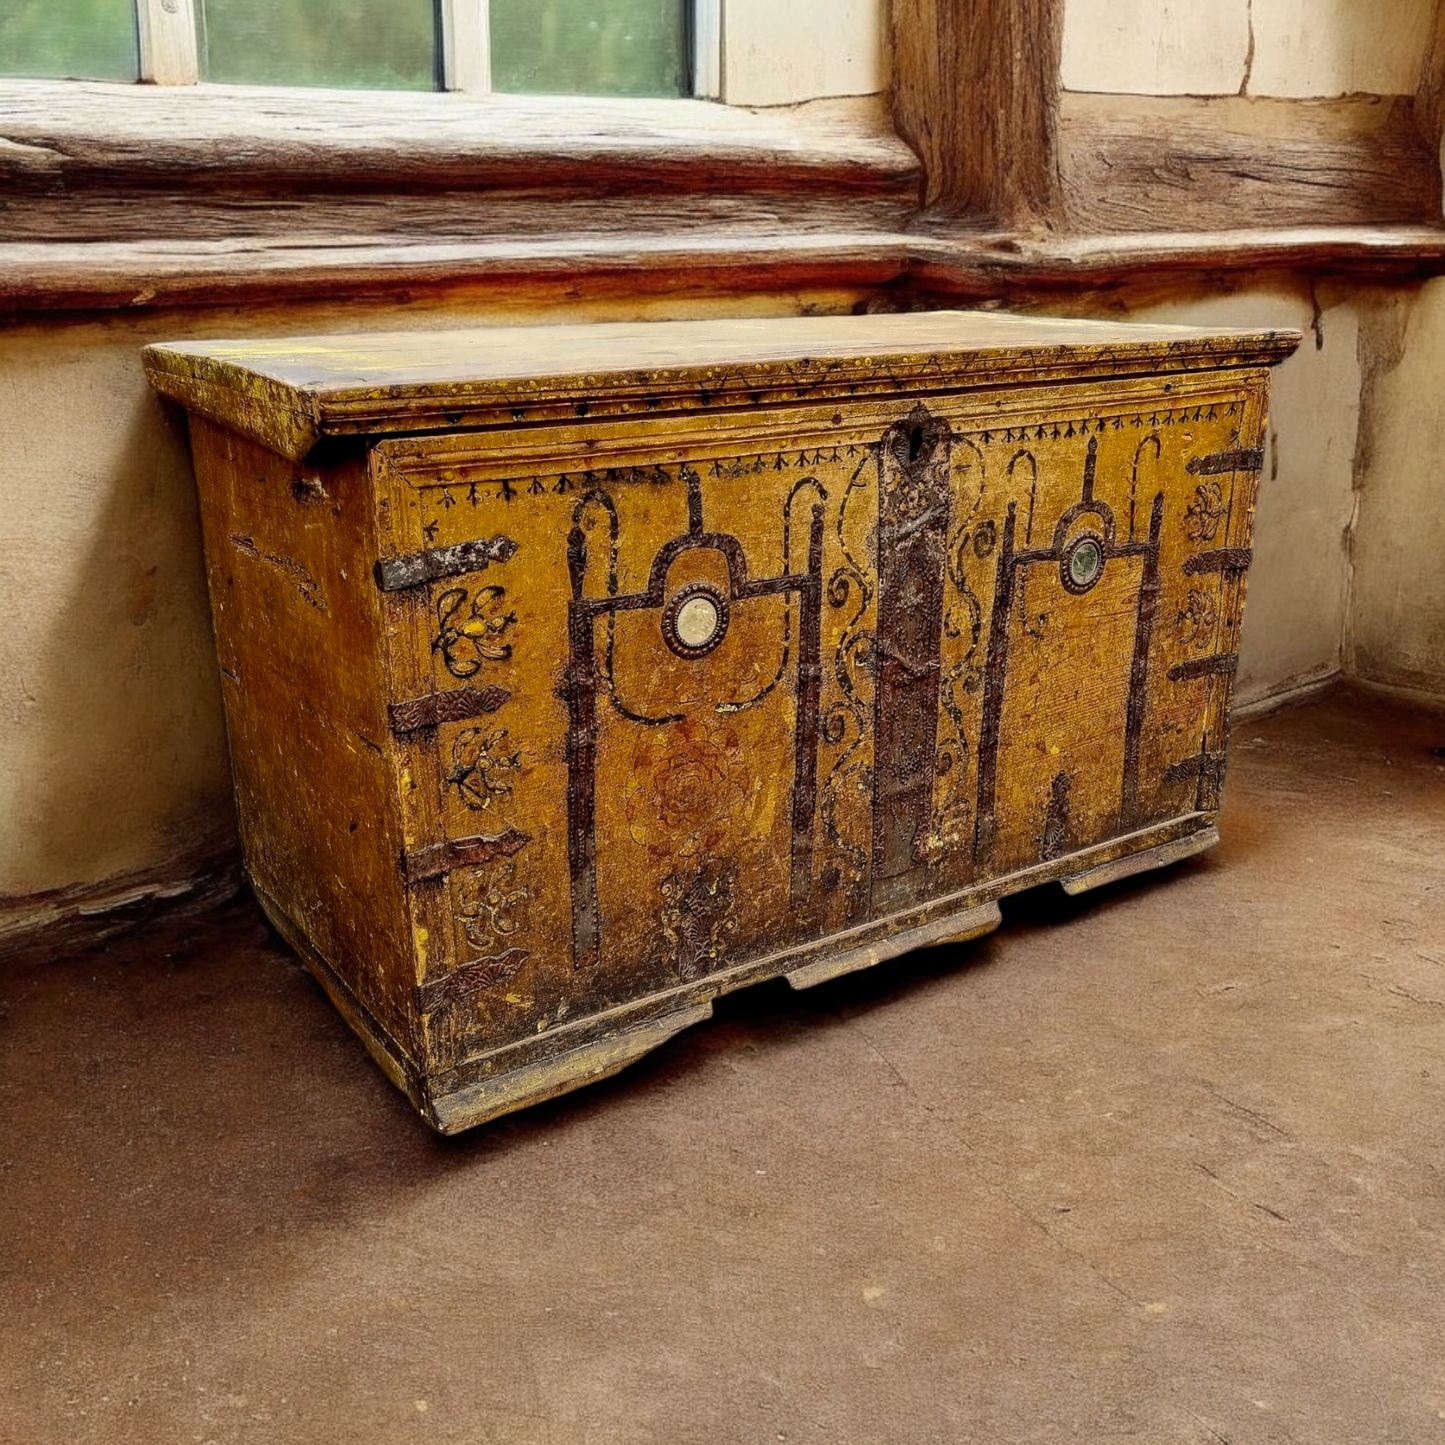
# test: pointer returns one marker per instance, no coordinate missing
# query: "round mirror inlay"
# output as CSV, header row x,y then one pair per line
x,y
1083,562
696,620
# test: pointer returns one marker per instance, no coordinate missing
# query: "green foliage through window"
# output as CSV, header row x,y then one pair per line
x,y
69,39
345,44
539,47
590,47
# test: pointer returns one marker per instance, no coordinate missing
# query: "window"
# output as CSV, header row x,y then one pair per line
x,y
538,47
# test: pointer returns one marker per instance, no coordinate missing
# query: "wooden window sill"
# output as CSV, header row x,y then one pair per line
x,y
143,163
38,277
119,197
1035,263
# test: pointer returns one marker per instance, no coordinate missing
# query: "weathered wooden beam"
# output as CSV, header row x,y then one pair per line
x,y
1134,163
1034,266
976,92
72,137
56,276
899,269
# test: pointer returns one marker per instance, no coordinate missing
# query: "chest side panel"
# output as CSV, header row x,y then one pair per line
x,y
288,552
719,687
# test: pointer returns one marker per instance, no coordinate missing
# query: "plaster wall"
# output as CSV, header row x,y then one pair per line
x,y
1297,48
112,754
780,52
1396,633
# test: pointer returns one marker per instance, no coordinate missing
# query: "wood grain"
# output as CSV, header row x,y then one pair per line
x,y
76,136
279,556
1137,163
400,219
901,270
1035,266
127,197
976,87
554,270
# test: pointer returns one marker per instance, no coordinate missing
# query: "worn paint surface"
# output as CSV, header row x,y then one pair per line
x,y
113,771
96,471
1301,576
638,709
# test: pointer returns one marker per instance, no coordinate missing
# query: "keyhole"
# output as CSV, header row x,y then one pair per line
x,y
915,443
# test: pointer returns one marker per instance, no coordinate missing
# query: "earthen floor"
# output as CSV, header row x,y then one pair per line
x,y
1163,1163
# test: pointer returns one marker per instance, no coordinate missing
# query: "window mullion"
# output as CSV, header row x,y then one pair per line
x,y
466,41
167,34
707,24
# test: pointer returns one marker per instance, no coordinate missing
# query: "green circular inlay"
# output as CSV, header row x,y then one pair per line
x,y
1086,561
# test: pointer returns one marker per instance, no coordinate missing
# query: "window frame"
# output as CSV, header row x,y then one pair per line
x,y
168,41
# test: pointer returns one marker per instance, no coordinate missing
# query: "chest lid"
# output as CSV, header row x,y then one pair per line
x,y
288,393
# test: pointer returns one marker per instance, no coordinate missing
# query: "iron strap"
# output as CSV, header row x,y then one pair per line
x,y
439,858
1221,559
413,569
1241,459
1224,662
455,705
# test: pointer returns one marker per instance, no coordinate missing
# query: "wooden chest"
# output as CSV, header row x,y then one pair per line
x,y
576,675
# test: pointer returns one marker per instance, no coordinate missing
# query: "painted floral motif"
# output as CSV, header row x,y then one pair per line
x,y
1203,516
689,788
466,639
492,905
1198,620
481,766
696,919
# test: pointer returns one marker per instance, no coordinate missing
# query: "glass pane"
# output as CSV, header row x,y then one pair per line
x,y
590,47
69,39
350,44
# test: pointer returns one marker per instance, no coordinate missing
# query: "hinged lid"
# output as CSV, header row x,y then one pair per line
x,y
289,393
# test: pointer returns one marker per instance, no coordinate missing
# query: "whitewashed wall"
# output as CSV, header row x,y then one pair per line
x,y
780,52
1296,48
1396,634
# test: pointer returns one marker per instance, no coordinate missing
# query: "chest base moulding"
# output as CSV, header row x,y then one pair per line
x,y
577,675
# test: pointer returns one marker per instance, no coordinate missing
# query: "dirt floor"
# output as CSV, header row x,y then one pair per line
x,y
1163,1163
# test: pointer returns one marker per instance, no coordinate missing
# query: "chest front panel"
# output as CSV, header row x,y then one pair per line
x,y
728,684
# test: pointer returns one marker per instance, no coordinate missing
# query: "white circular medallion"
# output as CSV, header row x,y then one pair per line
x,y
697,621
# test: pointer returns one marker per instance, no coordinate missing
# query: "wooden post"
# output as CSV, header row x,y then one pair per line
x,y
976,93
